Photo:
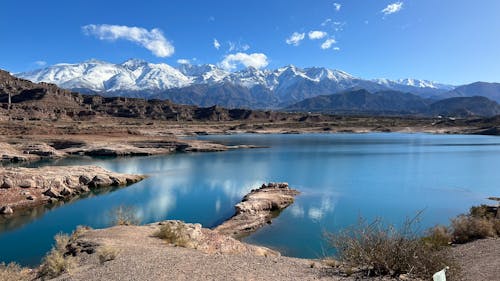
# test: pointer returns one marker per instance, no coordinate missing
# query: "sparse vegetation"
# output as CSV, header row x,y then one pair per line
x,y
438,237
124,215
13,272
174,234
56,262
481,222
107,253
376,249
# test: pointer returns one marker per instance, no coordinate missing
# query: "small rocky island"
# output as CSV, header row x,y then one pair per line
x,y
258,208
29,187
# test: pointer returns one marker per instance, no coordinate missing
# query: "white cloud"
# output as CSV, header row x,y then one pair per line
x,y
152,40
295,38
326,22
316,34
231,61
237,47
328,43
337,6
216,44
40,63
183,61
336,48
392,8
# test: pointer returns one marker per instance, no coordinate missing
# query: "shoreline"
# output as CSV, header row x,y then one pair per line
x,y
27,188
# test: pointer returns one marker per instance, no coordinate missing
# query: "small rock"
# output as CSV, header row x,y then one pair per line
x,y
6,210
31,197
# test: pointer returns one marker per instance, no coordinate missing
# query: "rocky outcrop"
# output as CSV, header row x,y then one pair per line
x,y
29,187
257,209
208,241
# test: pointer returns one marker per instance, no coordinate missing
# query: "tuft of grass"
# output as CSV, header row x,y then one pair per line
x,y
56,262
124,215
107,253
13,272
174,234
377,249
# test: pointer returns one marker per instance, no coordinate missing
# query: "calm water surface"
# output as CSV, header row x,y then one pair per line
x,y
341,177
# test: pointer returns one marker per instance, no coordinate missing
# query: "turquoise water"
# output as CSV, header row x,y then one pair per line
x,y
341,177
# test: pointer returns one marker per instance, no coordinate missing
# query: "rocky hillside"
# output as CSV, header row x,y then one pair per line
x,y
396,103
35,101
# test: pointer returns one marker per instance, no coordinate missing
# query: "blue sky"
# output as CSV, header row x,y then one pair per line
x,y
450,41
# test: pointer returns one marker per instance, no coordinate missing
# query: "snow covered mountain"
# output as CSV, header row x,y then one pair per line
x,y
279,87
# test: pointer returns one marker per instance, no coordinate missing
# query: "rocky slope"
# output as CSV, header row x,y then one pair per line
x,y
28,187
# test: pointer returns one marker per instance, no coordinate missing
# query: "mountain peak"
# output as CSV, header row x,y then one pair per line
x,y
134,63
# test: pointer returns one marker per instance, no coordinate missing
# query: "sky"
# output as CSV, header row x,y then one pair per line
x,y
449,41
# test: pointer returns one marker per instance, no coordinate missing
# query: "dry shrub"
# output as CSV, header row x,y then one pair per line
x,y
107,253
438,237
56,262
124,215
468,228
13,272
174,234
377,249
481,211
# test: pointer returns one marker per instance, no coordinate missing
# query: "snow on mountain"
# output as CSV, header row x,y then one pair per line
x,y
148,78
396,84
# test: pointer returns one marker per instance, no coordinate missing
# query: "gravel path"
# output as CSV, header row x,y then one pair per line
x,y
479,260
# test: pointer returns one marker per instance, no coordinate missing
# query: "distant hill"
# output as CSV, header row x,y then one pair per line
x,y
396,103
465,106
489,90
362,101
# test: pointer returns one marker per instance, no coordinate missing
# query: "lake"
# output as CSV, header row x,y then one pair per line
x,y
341,177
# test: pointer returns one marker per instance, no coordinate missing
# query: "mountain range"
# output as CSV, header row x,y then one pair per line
x,y
206,85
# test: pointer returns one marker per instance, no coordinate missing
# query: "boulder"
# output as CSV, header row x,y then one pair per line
x,y
7,183
6,210
100,181
66,192
82,189
52,193
84,179
27,184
